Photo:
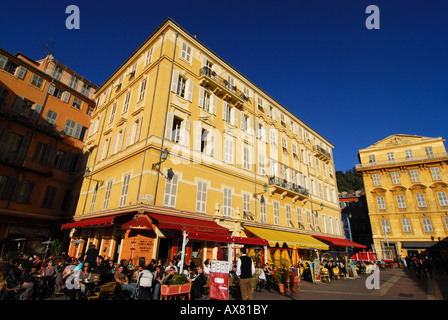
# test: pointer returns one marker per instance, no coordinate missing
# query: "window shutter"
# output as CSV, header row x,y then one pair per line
x,y
36,111
174,81
186,133
198,137
114,142
212,144
224,110
137,133
51,88
18,104
190,86
50,154
67,161
235,117
169,125
214,104
3,61
21,72
120,145
23,150
78,129
201,97
66,96
128,141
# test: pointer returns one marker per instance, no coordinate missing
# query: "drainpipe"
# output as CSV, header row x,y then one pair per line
x,y
164,125
149,123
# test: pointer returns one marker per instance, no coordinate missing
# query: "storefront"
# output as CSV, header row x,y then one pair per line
x,y
338,247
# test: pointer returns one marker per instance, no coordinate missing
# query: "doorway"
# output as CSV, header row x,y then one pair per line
x,y
164,250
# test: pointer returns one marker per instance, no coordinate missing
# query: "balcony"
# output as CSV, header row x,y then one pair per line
x,y
404,161
322,154
221,87
287,189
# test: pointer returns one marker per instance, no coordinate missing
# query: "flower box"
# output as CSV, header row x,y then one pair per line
x,y
170,291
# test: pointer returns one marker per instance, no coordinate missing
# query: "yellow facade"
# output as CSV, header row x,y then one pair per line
x,y
405,179
226,139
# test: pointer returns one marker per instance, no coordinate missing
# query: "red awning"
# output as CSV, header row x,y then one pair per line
x,y
340,242
138,223
254,241
188,224
209,236
91,223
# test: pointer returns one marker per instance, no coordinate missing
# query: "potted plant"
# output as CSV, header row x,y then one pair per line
x,y
281,277
179,286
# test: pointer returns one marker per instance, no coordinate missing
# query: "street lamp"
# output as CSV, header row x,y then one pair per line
x,y
87,174
164,156
265,188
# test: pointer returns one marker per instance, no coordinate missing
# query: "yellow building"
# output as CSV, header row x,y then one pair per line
x,y
405,179
227,141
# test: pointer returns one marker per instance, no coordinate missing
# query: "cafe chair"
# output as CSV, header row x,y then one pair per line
x,y
104,292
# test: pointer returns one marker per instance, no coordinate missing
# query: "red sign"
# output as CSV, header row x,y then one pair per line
x,y
219,285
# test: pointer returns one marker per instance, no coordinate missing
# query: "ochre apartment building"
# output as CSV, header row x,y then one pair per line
x,y
180,141
405,179
45,112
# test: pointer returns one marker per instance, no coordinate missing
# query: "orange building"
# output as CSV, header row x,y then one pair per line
x,y
45,112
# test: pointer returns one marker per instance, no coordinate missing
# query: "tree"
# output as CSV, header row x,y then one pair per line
x,y
350,181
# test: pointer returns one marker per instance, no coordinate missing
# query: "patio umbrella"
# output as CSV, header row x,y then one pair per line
x,y
286,261
270,258
294,256
277,256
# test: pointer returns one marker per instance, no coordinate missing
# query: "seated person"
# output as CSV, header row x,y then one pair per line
x,y
197,283
168,279
144,283
123,281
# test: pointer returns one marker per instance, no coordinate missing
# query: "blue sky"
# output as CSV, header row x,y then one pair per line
x,y
317,58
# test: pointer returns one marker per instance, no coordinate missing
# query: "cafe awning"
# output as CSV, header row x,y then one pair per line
x,y
138,223
188,224
417,244
302,241
340,242
209,236
251,241
92,222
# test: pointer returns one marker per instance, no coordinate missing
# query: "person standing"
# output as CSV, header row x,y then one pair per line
x,y
244,270
91,255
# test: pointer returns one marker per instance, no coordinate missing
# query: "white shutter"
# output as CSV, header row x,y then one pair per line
x,y
214,104
78,129
21,72
169,125
212,144
3,61
198,137
120,145
137,132
51,88
114,142
66,96
224,110
128,141
190,86
174,81
201,97
235,117
186,133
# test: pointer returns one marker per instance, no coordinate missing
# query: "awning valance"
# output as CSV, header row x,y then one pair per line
x,y
138,223
340,242
301,241
188,224
91,223
417,244
252,241
209,236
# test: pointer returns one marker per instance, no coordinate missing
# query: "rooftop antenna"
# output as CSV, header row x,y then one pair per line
x,y
48,51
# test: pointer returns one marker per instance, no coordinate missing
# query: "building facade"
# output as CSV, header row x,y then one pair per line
x,y
45,112
239,169
405,179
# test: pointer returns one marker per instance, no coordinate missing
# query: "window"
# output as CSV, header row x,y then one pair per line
x,y
299,218
181,84
421,200
381,203
228,150
246,207
69,127
395,177
427,226
23,191
226,112
400,201
288,216
443,201
260,104
406,225
284,145
201,197
73,82
50,193
435,173
134,132
23,107
126,102
86,89
385,225
95,193
124,189
186,52
107,195
56,92
58,159
148,57
133,71
262,164
276,214
390,157
112,113
207,101
246,157
409,155
227,204
372,158
77,103
3,94
429,152
57,72
169,199
142,90
414,175
376,179
308,219
263,212
37,81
